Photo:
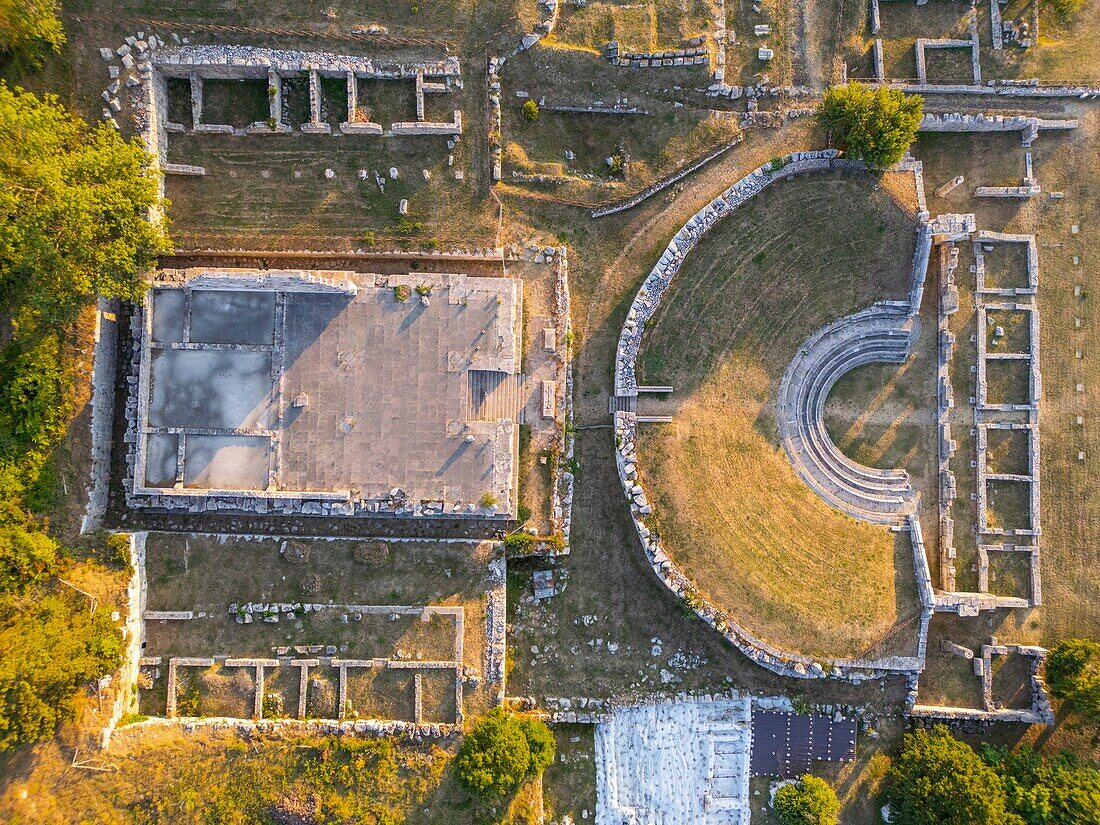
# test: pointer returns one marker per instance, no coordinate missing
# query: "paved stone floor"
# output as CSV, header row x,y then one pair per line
x,y
319,392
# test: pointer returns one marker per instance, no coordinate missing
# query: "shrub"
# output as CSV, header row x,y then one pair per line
x,y
1056,790
32,387
531,111
494,756
523,514
500,751
26,558
519,543
272,705
311,584
873,125
423,290
369,238
541,742
809,801
118,552
1073,674
938,780
49,650
371,553
29,26
488,499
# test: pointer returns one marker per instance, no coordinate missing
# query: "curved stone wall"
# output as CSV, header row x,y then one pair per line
x,y
785,663
883,333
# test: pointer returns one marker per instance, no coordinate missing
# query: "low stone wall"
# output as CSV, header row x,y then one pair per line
x,y
184,169
1040,711
664,183
454,127
247,728
104,371
496,619
959,122
696,54
133,635
233,62
784,663
649,295
561,488
1004,88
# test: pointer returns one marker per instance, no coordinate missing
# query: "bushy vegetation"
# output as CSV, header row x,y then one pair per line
x,y
938,779
531,111
809,801
73,226
49,646
75,203
1057,790
1073,674
500,751
29,27
872,125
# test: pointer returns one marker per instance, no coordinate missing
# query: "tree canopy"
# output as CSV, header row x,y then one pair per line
x,y
809,801
1057,790
872,125
74,208
500,751
27,26
47,650
74,204
938,780
1073,674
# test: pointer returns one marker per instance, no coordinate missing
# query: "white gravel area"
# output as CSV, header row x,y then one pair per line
x,y
675,764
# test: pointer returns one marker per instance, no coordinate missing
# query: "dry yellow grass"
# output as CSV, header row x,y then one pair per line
x,y
755,538
731,510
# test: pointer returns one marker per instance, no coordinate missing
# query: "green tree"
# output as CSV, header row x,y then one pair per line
x,y
28,26
27,558
1056,790
809,801
494,756
48,649
74,204
938,780
873,125
531,111
1073,674
540,740
33,389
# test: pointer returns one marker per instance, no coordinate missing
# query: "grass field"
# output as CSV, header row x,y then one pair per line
x,y
731,510
647,26
206,574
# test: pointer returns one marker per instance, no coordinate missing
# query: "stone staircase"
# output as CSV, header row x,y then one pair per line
x,y
883,333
